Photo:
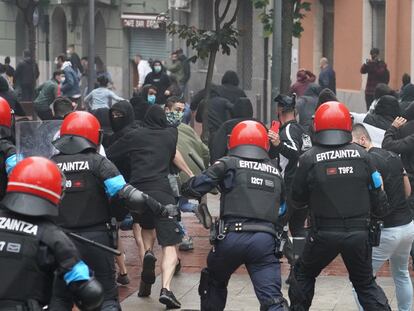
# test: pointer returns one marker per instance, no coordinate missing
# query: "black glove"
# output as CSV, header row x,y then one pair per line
x,y
88,295
135,199
188,192
170,210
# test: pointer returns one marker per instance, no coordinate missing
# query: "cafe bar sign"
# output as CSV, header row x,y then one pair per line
x,y
140,21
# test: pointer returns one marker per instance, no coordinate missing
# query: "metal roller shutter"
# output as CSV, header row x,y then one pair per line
x,y
150,43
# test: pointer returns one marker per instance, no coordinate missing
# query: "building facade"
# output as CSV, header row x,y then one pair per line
x,y
125,28
344,31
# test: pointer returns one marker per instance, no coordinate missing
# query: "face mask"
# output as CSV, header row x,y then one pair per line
x,y
62,79
118,123
151,99
174,117
157,69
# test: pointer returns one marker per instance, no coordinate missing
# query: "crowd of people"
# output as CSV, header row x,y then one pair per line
x,y
318,172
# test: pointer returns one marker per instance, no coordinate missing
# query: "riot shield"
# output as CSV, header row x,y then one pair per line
x,y
34,138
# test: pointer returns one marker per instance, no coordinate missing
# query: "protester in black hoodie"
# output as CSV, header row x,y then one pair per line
x,y
149,151
386,110
25,76
159,78
306,104
229,89
242,110
11,98
140,103
406,97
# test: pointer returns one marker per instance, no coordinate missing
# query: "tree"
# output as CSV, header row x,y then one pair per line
x,y
292,15
207,42
29,8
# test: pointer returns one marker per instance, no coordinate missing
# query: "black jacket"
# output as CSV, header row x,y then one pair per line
x,y
386,110
11,98
294,141
306,104
27,72
401,141
149,162
241,111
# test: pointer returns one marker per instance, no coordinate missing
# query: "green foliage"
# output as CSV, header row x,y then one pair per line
x,y
206,41
266,16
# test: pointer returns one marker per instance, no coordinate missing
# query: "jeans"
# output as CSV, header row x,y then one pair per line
x,y
395,246
187,207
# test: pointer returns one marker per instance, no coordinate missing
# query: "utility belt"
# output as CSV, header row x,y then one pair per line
x,y
220,229
110,227
373,227
13,305
340,224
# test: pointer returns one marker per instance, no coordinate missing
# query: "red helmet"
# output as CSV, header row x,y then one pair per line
x,y
6,118
79,131
249,139
332,124
5,113
35,187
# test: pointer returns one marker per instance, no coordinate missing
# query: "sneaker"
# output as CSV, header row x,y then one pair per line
x,y
148,268
123,279
177,267
186,244
127,223
144,289
167,298
203,215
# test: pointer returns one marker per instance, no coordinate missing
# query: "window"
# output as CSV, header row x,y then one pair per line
x,y
328,29
378,25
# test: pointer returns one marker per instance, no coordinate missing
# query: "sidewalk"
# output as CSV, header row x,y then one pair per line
x,y
332,293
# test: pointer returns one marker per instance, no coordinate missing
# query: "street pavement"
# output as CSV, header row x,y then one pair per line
x,y
333,291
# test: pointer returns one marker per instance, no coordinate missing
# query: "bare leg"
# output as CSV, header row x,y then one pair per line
x,y
136,229
120,260
169,261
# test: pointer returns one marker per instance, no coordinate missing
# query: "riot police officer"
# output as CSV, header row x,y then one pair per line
x,y
343,190
32,247
91,179
252,190
7,148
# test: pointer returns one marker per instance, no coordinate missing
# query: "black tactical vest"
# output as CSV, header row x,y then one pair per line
x,y
339,181
85,203
256,190
22,277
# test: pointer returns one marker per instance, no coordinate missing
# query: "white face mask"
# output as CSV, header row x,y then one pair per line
x,y
62,79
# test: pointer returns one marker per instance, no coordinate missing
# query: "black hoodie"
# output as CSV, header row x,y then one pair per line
x,y
386,110
307,104
160,80
242,110
149,151
11,98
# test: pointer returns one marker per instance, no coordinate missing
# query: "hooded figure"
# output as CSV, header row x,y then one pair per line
x,y
242,110
386,110
158,78
407,96
326,95
140,104
229,89
307,104
11,98
155,118
27,72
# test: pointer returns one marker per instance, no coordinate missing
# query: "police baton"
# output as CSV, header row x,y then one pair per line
x,y
93,243
195,160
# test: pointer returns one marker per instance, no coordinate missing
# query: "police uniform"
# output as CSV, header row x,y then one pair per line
x,y
252,190
25,243
7,162
91,180
32,248
334,178
85,210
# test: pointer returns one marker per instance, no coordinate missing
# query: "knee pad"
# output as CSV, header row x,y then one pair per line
x,y
279,301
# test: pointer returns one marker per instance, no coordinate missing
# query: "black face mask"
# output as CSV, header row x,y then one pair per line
x,y
118,123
